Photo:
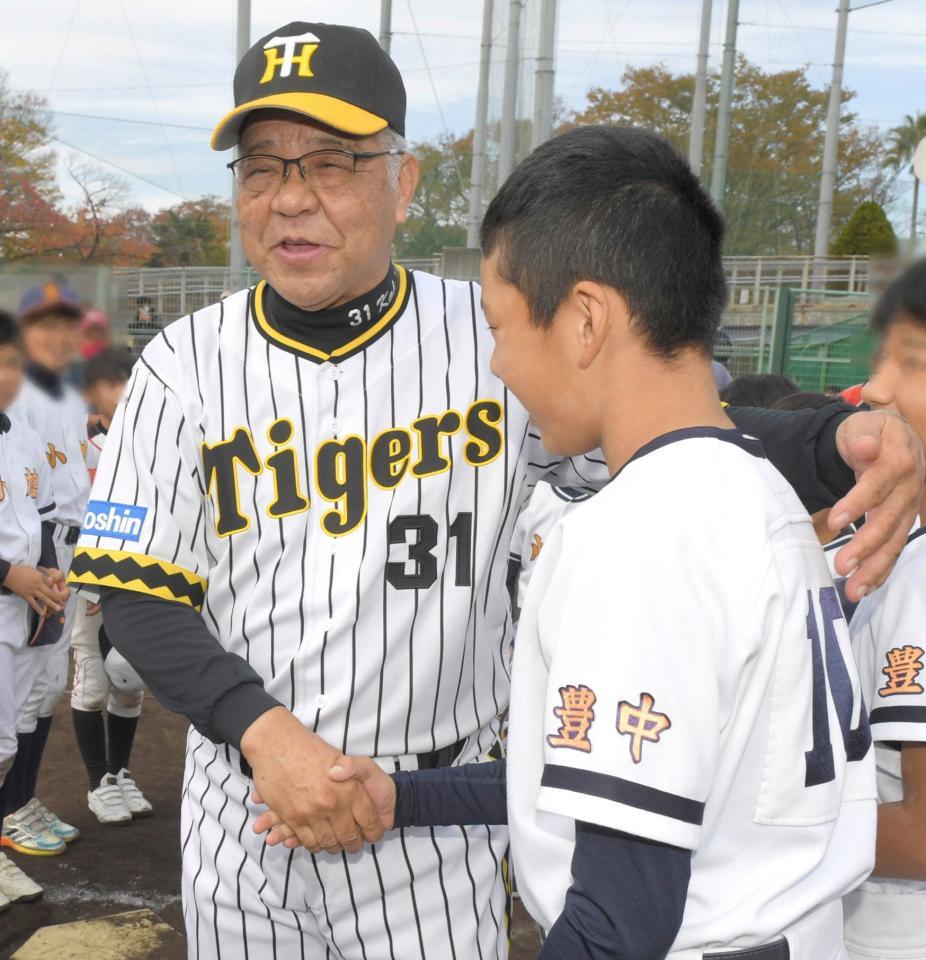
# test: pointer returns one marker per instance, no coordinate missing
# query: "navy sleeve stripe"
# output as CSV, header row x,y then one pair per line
x,y
898,715
623,791
47,508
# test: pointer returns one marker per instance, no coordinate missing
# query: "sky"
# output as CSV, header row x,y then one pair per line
x,y
167,66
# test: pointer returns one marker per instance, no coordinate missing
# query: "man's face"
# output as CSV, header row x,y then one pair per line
x,y
11,374
51,340
320,248
899,378
537,364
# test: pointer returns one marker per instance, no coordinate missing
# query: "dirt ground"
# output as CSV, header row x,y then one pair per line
x,y
115,869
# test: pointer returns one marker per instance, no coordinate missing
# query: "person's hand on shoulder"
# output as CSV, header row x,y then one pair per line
x,y
888,461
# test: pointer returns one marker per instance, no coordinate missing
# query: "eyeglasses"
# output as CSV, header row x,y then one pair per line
x,y
321,169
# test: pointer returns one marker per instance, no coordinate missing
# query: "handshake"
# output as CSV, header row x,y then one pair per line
x,y
317,797
371,786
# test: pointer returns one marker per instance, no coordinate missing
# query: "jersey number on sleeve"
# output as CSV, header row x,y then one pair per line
x,y
835,676
421,550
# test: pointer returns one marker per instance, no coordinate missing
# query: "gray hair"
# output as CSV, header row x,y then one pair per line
x,y
390,140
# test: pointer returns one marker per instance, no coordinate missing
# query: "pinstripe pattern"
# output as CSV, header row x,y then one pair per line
x,y
388,639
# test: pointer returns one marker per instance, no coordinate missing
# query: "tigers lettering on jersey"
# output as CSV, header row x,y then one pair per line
x,y
345,465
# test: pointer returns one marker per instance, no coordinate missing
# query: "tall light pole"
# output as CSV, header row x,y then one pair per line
x,y
508,145
478,171
725,106
236,261
385,25
831,144
544,76
699,106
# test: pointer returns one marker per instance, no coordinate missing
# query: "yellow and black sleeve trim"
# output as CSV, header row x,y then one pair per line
x,y
137,572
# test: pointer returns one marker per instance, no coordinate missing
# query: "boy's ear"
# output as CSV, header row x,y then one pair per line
x,y
594,316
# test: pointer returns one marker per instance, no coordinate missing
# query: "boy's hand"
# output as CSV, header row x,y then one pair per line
x,y
380,787
887,458
44,590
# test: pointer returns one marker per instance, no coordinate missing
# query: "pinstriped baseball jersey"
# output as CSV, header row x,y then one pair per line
x,y
61,424
343,526
886,916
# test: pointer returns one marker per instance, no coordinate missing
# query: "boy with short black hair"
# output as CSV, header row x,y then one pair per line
x,y
684,776
102,677
49,314
32,586
886,916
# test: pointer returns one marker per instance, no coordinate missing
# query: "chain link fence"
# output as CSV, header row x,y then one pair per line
x,y
826,343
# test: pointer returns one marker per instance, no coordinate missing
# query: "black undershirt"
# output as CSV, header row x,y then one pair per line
x,y
327,330
45,379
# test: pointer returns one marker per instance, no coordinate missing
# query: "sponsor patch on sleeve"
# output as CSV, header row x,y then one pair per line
x,y
122,521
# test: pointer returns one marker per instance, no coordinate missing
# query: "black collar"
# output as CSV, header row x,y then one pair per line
x,y
46,380
4,423
335,333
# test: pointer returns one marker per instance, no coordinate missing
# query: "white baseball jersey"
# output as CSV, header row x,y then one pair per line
x,y
26,495
694,687
25,501
61,424
344,527
887,917
545,508
94,451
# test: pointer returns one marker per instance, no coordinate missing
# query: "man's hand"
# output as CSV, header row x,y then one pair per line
x,y
42,589
887,458
380,788
290,767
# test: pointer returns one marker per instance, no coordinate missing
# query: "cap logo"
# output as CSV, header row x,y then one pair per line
x,y
285,62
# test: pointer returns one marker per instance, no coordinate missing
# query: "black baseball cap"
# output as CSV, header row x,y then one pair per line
x,y
337,75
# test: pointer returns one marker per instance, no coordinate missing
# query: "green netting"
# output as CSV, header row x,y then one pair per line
x,y
833,357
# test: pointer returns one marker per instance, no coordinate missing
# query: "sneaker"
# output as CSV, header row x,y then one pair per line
x,y
4,902
15,886
132,797
25,832
63,831
106,802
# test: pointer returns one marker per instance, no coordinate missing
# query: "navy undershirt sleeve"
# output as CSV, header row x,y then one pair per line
x,y
627,896
626,901
802,445
447,796
183,665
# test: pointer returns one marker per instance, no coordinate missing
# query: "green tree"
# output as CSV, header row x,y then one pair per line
x,y
868,233
776,148
902,143
191,234
437,214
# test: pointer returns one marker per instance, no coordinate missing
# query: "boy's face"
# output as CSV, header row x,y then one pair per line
x,y
104,396
11,374
537,365
899,378
51,340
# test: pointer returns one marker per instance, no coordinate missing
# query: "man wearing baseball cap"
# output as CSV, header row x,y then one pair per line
x,y
304,550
